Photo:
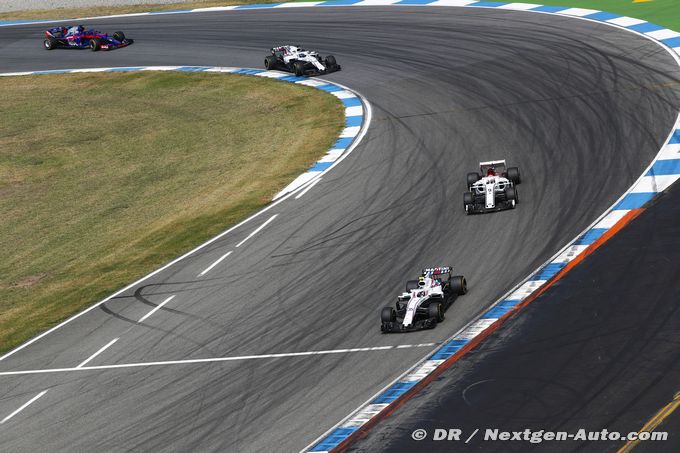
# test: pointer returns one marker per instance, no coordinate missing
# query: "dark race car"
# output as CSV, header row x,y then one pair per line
x,y
424,302
79,38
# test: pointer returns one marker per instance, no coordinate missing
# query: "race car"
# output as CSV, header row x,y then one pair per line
x,y
424,302
494,191
299,61
79,38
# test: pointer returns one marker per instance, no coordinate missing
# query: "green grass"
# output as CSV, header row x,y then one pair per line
x,y
661,12
105,177
69,13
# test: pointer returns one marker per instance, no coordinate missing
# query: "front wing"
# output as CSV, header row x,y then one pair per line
x,y
480,208
398,327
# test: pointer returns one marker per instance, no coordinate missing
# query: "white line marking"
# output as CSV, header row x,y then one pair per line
x,y
23,407
156,308
218,359
89,359
257,230
307,189
219,260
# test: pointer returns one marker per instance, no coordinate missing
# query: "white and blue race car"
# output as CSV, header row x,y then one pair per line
x,y
424,302
299,61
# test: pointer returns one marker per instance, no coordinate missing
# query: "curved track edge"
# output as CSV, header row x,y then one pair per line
x,y
662,172
357,120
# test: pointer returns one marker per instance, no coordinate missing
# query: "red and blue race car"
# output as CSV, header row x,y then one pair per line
x,y
80,38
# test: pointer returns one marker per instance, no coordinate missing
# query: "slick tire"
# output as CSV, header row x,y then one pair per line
x,y
388,314
119,36
513,175
468,201
472,178
435,311
330,62
411,284
298,69
50,43
270,63
458,285
511,195
95,45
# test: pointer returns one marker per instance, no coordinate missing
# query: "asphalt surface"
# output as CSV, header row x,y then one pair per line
x,y
581,108
599,350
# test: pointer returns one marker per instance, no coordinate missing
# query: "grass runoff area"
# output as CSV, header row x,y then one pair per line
x,y
66,13
104,177
662,12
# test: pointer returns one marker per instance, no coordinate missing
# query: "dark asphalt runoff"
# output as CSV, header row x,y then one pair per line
x,y
598,350
580,107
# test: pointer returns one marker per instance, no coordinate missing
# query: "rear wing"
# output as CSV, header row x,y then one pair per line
x,y
497,165
437,270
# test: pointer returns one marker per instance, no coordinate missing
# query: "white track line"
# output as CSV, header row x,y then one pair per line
x,y
89,359
25,405
219,359
307,189
219,260
156,308
257,230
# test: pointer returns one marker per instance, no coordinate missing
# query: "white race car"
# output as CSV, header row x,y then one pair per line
x,y
424,302
299,61
494,191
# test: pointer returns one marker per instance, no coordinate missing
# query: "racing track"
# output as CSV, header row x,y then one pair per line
x,y
580,107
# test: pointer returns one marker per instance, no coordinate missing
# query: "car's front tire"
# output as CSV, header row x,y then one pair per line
x,y
411,284
299,68
435,311
472,178
330,62
388,314
468,201
511,195
119,36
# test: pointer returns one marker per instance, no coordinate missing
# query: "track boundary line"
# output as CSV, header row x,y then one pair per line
x,y
662,172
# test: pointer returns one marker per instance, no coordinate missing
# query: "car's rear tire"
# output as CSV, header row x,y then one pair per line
x,y
513,175
119,36
95,44
50,43
411,284
511,195
270,62
458,285
436,311
472,178
299,68
388,314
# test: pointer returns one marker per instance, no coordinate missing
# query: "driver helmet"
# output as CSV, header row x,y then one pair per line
x,y
491,172
421,281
